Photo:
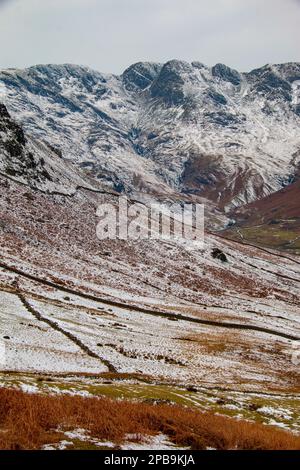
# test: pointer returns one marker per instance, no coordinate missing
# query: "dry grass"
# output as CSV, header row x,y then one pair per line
x,y
30,421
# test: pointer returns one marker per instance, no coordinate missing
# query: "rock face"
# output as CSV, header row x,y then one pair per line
x,y
169,85
227,74
34,163
16,159
140,76
169,129
15,141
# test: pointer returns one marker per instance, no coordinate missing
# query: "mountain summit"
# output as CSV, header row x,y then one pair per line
x,y
169,129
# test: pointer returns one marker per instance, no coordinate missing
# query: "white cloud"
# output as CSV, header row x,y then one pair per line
x,y
110,34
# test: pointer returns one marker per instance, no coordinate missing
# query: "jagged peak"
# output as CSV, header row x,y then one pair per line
x,y
199,65
154,68
140,75
55,70
226,73
169,83
179,65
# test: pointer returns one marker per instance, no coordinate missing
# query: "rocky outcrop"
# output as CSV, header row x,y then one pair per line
x,y
140,76
38,164
16,159
226,73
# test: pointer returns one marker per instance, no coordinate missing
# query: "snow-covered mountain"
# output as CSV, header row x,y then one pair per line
x,y
34,163
213,326
176,128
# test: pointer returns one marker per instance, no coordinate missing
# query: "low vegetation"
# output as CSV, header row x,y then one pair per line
x,y
29,421
281,236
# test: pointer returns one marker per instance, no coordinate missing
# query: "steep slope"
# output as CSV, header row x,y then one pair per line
x,y
282,205
73,303
273,221
167,129
37,164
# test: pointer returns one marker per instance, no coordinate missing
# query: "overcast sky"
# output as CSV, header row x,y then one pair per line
x,y
109,35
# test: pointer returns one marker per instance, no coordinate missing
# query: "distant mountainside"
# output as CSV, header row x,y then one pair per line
x,y
31,162
171,130
272,221
282,205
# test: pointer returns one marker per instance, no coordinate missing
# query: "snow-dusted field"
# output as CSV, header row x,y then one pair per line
x,y
71,304
131,341
31,345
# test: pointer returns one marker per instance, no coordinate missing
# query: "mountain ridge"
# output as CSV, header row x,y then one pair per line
x,y
177,129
